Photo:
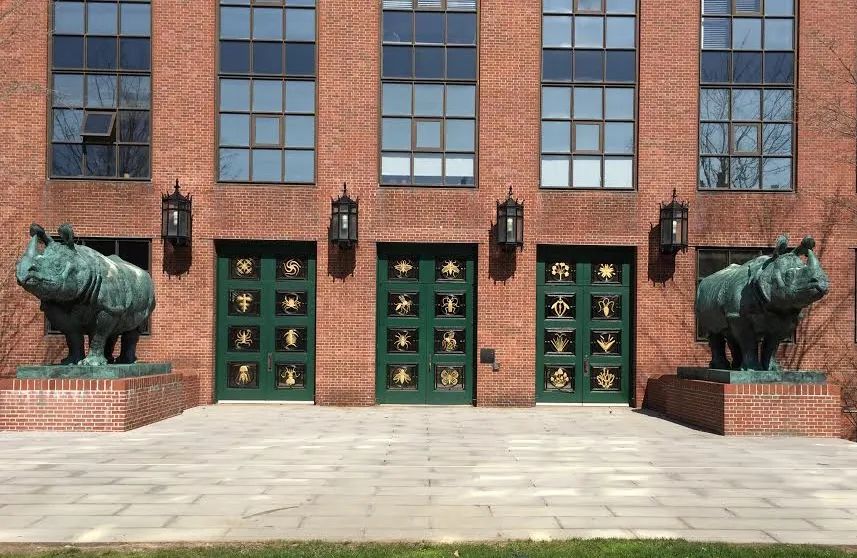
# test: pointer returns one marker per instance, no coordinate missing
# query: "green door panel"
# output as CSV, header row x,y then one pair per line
x,y
266,321
426,324
583,333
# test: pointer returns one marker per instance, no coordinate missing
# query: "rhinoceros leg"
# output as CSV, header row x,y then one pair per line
x,y
74,341
769,353
109,347
717,343
128,353
735,349
749,345
104,326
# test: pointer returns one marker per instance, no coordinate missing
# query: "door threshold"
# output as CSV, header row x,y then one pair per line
x,y
434,405
539,404
262,402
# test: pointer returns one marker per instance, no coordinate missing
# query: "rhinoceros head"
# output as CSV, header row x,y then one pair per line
x,y
787,282
58,273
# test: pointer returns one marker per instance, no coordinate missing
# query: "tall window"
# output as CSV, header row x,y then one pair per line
x,y
428,105
746,104
589,69
267,91
101,89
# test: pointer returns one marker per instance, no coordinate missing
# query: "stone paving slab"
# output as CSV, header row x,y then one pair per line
x,y
445,474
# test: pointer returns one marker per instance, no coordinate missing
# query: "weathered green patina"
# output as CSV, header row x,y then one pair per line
x,y
109,372
755,306
751,376
86,293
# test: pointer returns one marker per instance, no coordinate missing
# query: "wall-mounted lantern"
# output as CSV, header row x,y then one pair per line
x,y
510,223
343,220
176,217
673,226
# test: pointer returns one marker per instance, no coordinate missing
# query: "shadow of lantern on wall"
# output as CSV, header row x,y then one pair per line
x,y
343,220
673,224
176,217
510,223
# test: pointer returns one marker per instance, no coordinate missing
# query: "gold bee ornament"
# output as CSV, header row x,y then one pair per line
x,y
401,376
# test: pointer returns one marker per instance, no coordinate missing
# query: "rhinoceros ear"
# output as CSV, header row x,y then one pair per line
x,y
67,235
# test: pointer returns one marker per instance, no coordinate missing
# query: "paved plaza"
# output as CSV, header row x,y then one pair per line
x,y
258,472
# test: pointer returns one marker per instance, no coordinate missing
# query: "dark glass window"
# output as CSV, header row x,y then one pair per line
x,y
428,105
589,73
266,118
101,66
747,72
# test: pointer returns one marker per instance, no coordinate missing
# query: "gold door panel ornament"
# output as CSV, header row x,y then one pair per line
x,y
244,339
559,378
560,272
243,375
402,377
291,375
606,272
605,378
244,268
403,269
292,303
404,305
449,305
403,340
559,341
449,377
290,339
291,268
560,306
449,340
606,342
244,302
450,270
606,307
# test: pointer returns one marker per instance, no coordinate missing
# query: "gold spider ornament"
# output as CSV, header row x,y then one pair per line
x,y
403,340
244,339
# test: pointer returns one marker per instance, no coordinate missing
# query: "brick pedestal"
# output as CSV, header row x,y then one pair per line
x,y
89,405
750,409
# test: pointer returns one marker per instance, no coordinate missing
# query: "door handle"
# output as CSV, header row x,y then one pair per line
x,y
270,361
586,366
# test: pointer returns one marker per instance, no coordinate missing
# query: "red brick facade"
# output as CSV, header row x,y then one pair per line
x,y
183,145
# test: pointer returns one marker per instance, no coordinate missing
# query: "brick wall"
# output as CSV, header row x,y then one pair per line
x,y
89,405
183,146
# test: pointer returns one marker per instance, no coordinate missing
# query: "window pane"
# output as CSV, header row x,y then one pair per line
x,y
134,126
748,6
235,164
68,52
711,261
555,171
267,165
621,65
428,27
777,139
618,137
621,6
133,161
712,138
300,96
100,160
587,172
556,137
398,26
135,19
66,160
395,169
588,65
397,61
101,18
745,139
745,173
235,129
300,131
715,33
778,104
778,34
134,54
235,57
746,104
66,125
428,135
715,67
427,169
619,103
777,174
747,34
461,29
621,32
713,172
300,59
618,172
556,65
779,67
558,6
587,103
779,7
589,5
556,102
587,137
747,67
396,133
396,99
460,100
135,91
267,96
300,166
268,25
460,63
556,31
234,23
268,58
428,100
135,252
459,170
714,104
68,90
100,91
716,6
234,94
101,53
588,31
460,135
428,62
68,17
300,25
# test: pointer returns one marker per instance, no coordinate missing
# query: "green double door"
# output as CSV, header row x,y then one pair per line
x,y
265,321
583,333
425,324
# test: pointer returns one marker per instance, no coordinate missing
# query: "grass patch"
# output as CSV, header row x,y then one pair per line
x,y
559,549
